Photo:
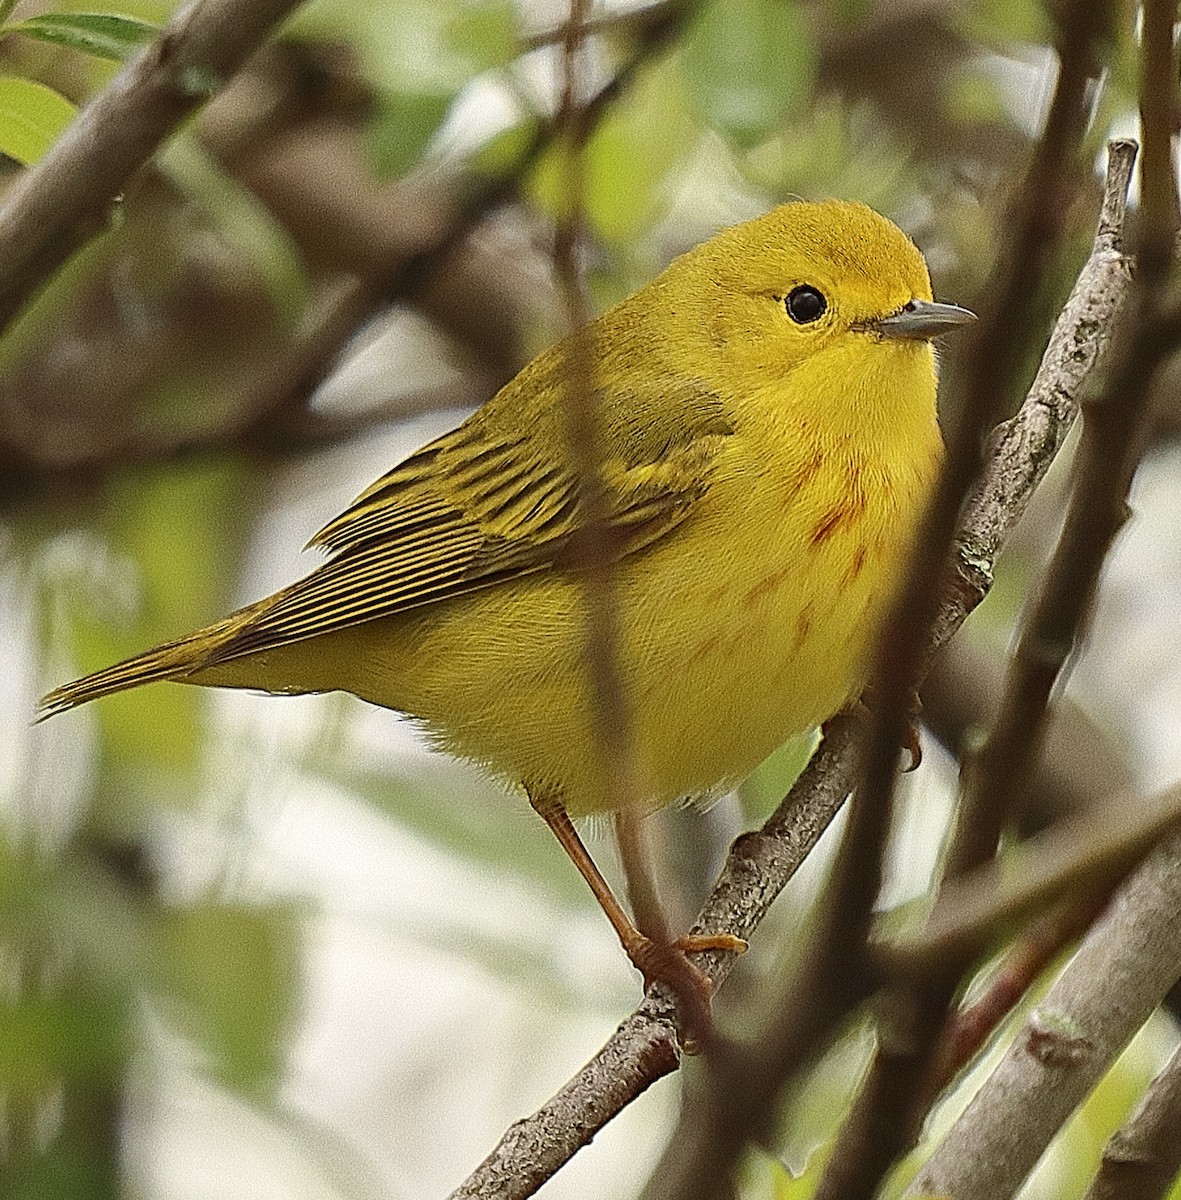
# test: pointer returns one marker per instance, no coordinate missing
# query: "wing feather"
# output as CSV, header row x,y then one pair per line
x,y
474,508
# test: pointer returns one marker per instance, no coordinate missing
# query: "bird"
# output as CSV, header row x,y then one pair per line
x,y
767,441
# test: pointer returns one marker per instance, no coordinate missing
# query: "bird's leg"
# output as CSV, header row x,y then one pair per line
x,y
636,858
658,961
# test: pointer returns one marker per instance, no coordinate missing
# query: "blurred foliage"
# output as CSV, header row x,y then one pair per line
x,y
32,117
163,387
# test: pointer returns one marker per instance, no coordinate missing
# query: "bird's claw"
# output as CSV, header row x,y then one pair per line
x,y
669,964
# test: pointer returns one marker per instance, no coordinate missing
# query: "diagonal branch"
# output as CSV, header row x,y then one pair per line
x,y
1085,854
996,776
1109,450
879,1128
59,204
644,1047
736,1106
1070,1039
274,411
1143,1156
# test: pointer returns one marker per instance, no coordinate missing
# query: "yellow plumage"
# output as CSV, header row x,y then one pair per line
x,y
764,476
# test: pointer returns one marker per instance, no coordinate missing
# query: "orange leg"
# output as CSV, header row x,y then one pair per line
x,y
641,891
635,856
657,960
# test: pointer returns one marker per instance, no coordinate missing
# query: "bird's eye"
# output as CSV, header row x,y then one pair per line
x,y
805,304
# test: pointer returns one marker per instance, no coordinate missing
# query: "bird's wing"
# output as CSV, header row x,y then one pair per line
x,y
471,509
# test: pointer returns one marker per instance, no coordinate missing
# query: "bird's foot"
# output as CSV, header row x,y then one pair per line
x,y
863,708
914,746
696,943
669,964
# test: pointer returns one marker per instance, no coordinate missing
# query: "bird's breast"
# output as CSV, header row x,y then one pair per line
x,y
763,621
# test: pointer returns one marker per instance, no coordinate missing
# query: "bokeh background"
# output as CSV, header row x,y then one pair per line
x,y
257,947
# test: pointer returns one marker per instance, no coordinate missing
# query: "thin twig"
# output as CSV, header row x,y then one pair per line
x,y
995,777
994,360
645,1047
967,1030
1143,1157
406,278
761,863
1087,852
275,412
879,1128
1125,966
610,711
608,702
740,1102
599,23
66,198
1109,450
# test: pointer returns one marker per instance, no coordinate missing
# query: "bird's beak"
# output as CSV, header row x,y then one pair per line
x,y
921,320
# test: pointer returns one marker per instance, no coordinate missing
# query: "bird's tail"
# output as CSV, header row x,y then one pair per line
x,y
177,660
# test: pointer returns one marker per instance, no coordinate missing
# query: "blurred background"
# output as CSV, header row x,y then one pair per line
x,y
258,946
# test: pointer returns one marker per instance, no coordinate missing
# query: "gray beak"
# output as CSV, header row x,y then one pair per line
x,y
922,319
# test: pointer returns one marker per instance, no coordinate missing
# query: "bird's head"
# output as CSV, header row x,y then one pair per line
x,y
830,282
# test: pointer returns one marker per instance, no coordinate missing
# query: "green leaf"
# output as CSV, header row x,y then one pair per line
x,y
69,1168
747,64
503,152
401,128
762,790
174,533
847,13
632,152
102,35
32,117
485,34
764,1177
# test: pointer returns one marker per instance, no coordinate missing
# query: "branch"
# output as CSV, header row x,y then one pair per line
x,y
1085,854
967,1029
1022,448
761,863
274,409
994,358
1122,971
696,1164
645,1047
717,1123
879,1128
995,778
1143,1157
408,275
1111,444
610,715
64,200
1070,870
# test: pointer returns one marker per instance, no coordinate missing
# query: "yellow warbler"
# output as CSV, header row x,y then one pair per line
x,y
767,424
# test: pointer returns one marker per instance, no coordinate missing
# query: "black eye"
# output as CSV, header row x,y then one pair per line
x,y
805,304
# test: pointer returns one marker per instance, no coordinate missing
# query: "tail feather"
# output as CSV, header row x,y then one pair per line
x,y
171,660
